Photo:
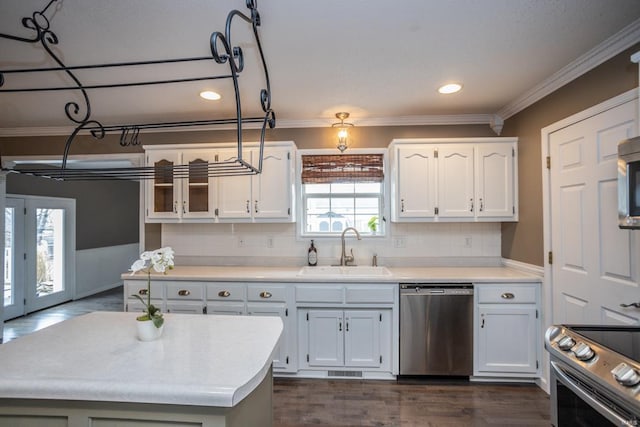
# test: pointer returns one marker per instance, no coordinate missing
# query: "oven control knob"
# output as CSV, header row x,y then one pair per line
x,y
583,352
626,375
566,343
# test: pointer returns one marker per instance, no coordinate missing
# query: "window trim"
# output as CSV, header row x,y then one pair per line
x,y
301,235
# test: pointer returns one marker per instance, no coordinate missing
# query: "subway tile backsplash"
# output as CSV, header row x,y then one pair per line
x,y
406,245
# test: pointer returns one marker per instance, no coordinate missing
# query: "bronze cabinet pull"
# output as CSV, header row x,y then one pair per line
x,y
265,294
224,294
184,292
508,295
142,292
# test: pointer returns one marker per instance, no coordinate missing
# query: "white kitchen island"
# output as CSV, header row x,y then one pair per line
x,y
93,371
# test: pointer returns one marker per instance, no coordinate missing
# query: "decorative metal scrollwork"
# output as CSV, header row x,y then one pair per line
x,y
222,51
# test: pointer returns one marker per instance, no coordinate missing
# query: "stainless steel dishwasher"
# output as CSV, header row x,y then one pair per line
x,y
436,329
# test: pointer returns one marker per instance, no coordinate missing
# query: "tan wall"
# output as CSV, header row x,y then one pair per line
x,y
523,241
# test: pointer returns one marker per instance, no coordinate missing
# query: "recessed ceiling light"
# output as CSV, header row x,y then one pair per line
x,y
210,95
450,88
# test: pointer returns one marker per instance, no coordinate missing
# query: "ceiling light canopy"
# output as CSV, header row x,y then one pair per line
x,y
343,133
450,88
210,95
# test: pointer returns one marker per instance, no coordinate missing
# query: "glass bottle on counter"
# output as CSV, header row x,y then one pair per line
x,y
312,256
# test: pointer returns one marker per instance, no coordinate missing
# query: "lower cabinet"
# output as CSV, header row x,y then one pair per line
x,y
357,338
507,331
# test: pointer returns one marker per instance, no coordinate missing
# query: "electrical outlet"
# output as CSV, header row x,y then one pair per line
x,y
399,242
270,242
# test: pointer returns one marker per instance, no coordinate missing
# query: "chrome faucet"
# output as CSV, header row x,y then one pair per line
x,y
344,258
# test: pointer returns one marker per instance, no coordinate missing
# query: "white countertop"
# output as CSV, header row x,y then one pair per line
x,y
292,274
199,360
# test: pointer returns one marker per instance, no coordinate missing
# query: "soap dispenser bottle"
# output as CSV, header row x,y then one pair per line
x,y
312,256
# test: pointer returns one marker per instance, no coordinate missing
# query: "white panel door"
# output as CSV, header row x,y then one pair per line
x,y
416,195
281,355
326,338
362,338
595,264
271,189
455,181
234,192
494,168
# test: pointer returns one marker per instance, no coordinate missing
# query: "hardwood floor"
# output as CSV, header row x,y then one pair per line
x,y
342,403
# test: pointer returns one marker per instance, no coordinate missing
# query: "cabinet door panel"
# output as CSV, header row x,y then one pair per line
x,y
416,195
234,192
185,307
281,355
271,189
362,338
230,308
507,339
494,165
163,191
326,341
198,190
455,181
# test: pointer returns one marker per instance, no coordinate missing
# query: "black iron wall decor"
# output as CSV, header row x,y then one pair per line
x,y
222,52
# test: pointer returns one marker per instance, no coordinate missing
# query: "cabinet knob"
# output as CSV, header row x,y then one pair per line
x,y
184,292
142,292
265,294
224,294
401,205
508,295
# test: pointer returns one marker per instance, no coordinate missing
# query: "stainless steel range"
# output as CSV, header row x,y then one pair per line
x,y
595,375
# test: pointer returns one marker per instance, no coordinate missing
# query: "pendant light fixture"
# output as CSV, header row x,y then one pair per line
x,y
343,133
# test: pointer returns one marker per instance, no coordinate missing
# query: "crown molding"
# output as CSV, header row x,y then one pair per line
x,y
460,119
612,46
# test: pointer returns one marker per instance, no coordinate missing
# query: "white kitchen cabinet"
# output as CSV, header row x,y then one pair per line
x,y
507,324
456,181
414,190
172,198
263,197
184,297
343,338
475,179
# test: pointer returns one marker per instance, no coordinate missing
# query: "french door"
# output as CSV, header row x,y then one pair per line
x,y
39,253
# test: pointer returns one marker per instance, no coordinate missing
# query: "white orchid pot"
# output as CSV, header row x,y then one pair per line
x,y
147,331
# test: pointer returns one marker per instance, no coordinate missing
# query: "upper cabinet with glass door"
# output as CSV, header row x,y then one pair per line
x,y
172,198
461,179
265,197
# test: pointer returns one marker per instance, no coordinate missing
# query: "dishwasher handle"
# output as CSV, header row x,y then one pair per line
x,y
422,290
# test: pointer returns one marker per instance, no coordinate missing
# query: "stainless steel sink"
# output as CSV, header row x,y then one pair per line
x,y
344,271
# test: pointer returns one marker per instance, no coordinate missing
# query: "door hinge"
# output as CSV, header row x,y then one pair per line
x,y
536,313
307,358
435,154
216,158
24,301
436,211
216,212
537,364
381,317
380,358
513,152
287,360
204,310
550,257
24,256
288,211
25,211
307,317
514,210
286,312
288,155
548,162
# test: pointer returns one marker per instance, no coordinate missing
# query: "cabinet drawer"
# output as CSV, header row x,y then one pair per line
x,y
185,291
229,308
139,287
319,293
267,293
506,294
226,291
369,294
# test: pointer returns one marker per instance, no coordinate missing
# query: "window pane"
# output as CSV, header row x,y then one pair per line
x,y
316,188
343,188
50,254
367,187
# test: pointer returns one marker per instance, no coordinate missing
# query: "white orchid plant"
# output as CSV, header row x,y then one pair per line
x,y
159,260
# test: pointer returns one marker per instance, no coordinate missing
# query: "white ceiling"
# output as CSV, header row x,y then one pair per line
x,y
380,60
